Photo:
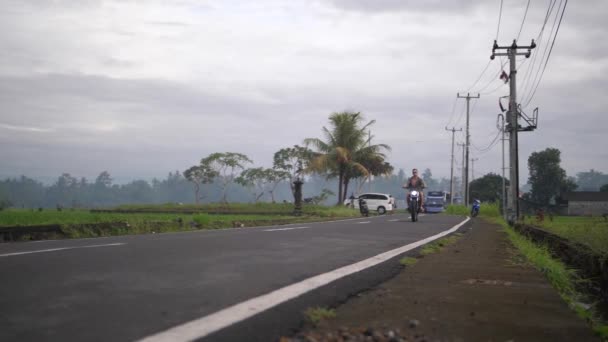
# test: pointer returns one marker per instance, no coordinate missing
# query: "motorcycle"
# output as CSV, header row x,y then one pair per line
x,y
475,208
363,209
414,204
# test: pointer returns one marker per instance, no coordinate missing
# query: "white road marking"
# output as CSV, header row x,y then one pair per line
x,y
291,228
62,249
211,323
395,220
364,222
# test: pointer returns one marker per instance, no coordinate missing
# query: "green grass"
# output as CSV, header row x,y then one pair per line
x,y
318,314
247,208
24,217
589,231
408,261
83,223
561,277
486,210
437,246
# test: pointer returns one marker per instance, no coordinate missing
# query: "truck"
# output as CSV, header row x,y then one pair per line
x,y
435,201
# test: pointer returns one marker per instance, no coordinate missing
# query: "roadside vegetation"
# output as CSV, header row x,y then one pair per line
x,y
561,277
408,261
163,218
589,231
437,246
318,314
486,210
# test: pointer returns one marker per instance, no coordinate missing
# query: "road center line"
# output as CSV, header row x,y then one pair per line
x,y
62,249
394,220
290,228
364,222
211,323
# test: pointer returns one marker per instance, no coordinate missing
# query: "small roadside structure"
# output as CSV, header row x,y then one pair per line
x,y
587,203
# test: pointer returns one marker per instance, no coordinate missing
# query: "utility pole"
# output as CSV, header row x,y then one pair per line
x,y
369,143
454,130
501,120
512,122
463,171
473,160
466,180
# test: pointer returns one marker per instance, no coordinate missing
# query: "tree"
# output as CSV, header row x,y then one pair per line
x,y
103,180
604,188
430,182
487,188
374,166
226,164
291,161
254,179
591,180
200,174
273,178
344,147
547,179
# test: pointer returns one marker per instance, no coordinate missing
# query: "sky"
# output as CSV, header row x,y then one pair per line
x,y
142,88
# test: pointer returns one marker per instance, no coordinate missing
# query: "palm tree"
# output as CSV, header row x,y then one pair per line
x,y
345,148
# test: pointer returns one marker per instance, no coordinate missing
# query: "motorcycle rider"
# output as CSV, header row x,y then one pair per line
x,y
415,183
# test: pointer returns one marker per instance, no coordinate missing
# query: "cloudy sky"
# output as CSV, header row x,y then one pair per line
x,y
140,88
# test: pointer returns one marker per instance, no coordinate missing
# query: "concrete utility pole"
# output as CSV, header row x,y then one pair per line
x,y
501,120
473,160
512,123
463,171
454,130
369,143
466,180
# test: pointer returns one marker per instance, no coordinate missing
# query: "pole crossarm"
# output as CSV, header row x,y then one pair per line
x,y
512,47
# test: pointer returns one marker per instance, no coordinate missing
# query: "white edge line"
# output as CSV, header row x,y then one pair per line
x,y
61,249
211,323
277,229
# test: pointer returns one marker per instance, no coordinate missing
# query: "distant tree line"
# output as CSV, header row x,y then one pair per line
x,y
344,162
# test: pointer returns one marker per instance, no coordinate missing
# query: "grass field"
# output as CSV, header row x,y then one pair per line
x,y
84,223
590,231
248,214
236,208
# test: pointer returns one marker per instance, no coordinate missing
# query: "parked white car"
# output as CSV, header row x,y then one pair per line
x,y
375,201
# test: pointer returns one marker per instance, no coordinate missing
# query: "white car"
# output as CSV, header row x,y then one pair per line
x,y
375,201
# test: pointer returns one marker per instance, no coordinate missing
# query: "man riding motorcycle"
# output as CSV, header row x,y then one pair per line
x,y
415,183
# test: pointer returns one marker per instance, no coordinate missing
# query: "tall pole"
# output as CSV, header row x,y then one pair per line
x,y
513,125
463,170
504,188
454,130
467,143
369,143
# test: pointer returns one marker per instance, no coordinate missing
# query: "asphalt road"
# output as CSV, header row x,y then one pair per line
x,y
128,288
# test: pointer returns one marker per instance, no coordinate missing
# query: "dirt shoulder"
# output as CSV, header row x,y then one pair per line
x,y
473,290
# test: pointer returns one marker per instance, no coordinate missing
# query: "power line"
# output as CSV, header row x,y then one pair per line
x,y
539,39
499,17
494,78
480,75
453,109
464,107
548,56
536,76
524,20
